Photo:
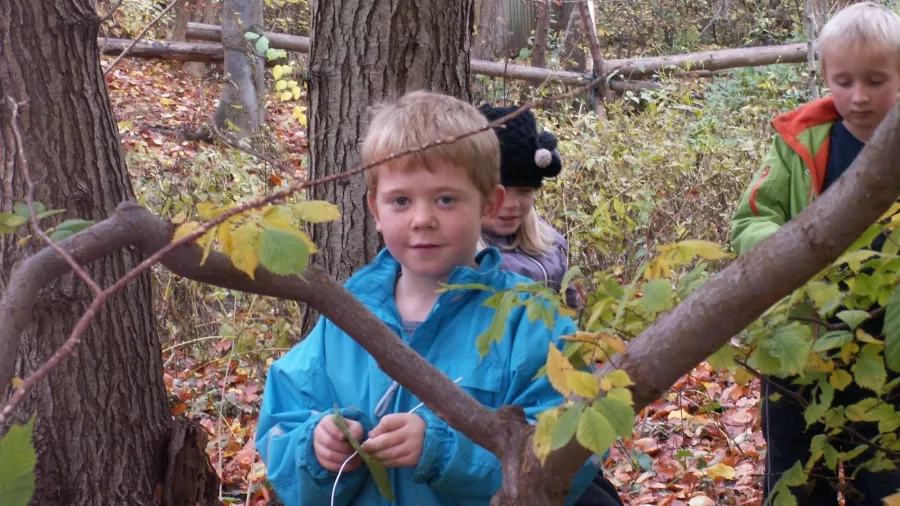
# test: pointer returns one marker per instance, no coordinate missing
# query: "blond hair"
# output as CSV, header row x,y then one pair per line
x,y
423,117
866,23
534,237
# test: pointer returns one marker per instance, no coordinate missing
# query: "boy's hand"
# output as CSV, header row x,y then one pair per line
x,y
397,440
332,448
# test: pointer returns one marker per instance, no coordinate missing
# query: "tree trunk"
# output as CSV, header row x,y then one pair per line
x,y
490,39
241,110
198,11
542,26
103,420
363,52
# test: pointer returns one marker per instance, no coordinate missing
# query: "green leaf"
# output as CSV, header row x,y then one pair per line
x,y
538,309
865,240
722,358
12,220
853,317
832,340
17,461
892,331
20,209
283,252
495,331
840,379
251,36
824,295
69,227
262,45
869,368
820,403
567,279
566,425
619,414
47,214
791,346
595,432
379,473
658,296
547,420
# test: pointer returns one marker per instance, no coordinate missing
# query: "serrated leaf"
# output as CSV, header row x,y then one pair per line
x,y
623,394
619,414
892,331
853,318
595,433
566,425
583,383
377,469
820,404
17,461
658,296
616,379
723,358
317,211
869,368
557,368
245,241
791,346
494,332
840,379
832,340
543,432
823,294
537,309
283,252
262,45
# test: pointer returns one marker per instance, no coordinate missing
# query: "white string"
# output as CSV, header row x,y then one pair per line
x,y
355,453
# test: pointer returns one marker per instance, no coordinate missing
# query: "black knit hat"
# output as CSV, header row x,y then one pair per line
x,y
526,157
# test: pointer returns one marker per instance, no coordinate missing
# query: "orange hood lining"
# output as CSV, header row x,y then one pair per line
x,y
791,124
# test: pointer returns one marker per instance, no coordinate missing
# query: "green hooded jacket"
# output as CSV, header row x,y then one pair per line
x,y
790,176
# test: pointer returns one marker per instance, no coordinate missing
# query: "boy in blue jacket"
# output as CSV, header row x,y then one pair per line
x,y
428,207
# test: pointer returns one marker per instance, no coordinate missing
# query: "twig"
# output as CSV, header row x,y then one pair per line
x,y
140,36
109,14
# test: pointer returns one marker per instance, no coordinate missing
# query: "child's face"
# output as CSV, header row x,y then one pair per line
x,y
518,203
864,84
431,221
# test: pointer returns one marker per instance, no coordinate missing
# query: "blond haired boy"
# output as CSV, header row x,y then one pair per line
x,y
428,207
860,62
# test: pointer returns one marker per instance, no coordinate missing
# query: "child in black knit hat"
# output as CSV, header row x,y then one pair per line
x,y
529,245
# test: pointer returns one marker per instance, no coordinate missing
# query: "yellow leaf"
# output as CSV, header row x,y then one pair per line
x,y
296,90
223,234
817,364
840,379
720,470
208,210
285,96
179,218
583,383
892,500
848,351
277,71
17,382
543,432
615,343
317,211
185,229
300,115
679,414
862,335
205,242
277,220
704,249
280,85
557,367
619,379
166,101
891,212
245,241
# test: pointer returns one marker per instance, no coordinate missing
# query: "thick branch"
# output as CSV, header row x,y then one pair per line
x,y
736,296
135,225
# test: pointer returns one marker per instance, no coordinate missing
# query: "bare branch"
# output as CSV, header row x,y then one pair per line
x,y
140,36
109,14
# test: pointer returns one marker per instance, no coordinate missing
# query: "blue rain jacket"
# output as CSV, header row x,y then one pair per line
x,y
330,369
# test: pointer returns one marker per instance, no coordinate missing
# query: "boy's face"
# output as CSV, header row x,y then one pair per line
x,y
518,203
431,221
864,84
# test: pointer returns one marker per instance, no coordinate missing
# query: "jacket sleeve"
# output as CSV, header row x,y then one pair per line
x,y
457,469
765,204
297,396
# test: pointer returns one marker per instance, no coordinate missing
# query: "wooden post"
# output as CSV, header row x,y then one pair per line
x,y
590,32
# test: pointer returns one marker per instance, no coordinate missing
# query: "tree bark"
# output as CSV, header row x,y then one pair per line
x,y
241,110
490,37
198,11
103,420
542,26
364,52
